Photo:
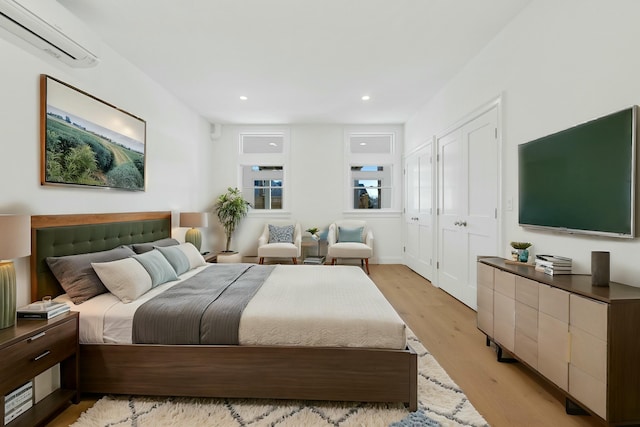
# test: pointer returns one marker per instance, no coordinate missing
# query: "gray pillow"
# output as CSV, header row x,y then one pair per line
x,y
176,258
141,248
157,266
281,234
76,275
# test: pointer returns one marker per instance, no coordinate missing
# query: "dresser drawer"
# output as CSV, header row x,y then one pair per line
x,y
38,352
505,283
589,315
554,302
485,275
527,292
527,320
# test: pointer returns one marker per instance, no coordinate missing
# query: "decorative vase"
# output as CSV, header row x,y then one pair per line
x,y
7,294
523,255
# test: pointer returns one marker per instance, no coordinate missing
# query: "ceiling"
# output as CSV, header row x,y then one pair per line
x,y
299,61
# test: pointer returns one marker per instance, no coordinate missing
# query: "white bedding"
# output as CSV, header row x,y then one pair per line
x,y
302,305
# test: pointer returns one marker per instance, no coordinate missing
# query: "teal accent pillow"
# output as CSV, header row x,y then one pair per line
x,y
350,234
157,266
281,234
176,258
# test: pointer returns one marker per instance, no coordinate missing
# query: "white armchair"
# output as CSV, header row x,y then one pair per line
x,y
350,239
279,243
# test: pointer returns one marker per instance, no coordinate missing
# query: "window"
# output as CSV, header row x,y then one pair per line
x,y
263,158
371,187
373,171
262,186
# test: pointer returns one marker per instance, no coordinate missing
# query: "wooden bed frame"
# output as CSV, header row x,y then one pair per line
x,y
307,373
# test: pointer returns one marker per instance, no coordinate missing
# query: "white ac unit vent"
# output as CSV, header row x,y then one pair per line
x,y
50,27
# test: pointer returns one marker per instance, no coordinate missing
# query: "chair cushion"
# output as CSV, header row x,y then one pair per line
x,y
349,250
353,234
278,250
278,234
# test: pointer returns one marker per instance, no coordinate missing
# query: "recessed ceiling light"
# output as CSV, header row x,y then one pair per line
x,y
366,98
363,143
273,144
243,98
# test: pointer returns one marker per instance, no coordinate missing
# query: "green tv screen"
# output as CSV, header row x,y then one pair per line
x,y
582,179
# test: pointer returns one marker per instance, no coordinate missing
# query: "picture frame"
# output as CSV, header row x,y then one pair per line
x,y
87,142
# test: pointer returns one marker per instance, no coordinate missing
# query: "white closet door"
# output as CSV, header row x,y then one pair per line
x,y
419,212
468,174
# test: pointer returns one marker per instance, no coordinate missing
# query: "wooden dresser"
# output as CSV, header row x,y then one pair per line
x,y
583,339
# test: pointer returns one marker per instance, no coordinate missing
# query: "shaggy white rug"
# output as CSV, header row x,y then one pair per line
x,y
441,403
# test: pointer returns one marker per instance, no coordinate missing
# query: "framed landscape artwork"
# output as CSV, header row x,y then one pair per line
x,y
88,142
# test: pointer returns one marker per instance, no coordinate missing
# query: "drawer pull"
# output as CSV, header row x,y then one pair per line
x,y
46,353
35,337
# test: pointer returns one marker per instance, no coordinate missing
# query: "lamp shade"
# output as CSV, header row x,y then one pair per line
x,y
15,236
194,219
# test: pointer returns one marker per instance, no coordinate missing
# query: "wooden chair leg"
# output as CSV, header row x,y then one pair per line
x,y
366,263
333,261
261,260
295,260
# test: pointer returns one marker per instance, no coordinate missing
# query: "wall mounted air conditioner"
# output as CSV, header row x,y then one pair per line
x,y
51,28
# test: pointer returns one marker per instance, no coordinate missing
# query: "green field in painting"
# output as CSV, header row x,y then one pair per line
x,y
78,156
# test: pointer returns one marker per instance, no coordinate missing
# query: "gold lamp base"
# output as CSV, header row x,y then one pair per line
x,y
194,237
7,294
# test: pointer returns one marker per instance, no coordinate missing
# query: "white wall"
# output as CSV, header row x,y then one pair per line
x,y
316,179
177,143
556,65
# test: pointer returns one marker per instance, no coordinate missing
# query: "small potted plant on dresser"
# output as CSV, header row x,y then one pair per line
x,y
521,251
230,208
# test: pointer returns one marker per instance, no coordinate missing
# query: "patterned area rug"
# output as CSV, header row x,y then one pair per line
x,y
442,403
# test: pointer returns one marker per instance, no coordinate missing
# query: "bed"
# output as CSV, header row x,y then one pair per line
x,y
231,371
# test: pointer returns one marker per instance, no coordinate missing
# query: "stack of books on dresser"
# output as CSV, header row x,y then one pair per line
x,y
17,402
41,311
553,264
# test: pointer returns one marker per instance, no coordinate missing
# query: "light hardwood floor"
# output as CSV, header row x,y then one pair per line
x,y
506,394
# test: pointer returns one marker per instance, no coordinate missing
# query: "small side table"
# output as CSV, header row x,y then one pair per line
x,y
314,259
210,257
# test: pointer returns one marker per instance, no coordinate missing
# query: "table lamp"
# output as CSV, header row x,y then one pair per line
x,y
193,220
15,242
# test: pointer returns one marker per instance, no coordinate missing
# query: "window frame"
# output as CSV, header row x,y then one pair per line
x,y
267,159
391,160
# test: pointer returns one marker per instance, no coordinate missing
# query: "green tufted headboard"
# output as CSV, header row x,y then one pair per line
x,y
60,235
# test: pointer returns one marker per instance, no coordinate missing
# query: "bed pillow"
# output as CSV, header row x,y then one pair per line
x,y
350,234
177,258
125,278
77,277
281,234
157,266
141,248
194,257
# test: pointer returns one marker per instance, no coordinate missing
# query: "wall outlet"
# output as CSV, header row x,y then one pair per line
x,y
509,204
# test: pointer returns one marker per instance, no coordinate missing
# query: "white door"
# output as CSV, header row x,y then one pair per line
x,y
468,185
419,211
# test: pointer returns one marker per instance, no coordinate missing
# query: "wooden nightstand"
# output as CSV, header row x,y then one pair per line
x,y
210,257
29,348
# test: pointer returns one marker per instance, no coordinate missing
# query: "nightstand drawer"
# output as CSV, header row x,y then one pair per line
x,y
37,352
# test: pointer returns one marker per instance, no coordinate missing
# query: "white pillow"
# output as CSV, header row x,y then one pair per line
x,y
125,278
195,259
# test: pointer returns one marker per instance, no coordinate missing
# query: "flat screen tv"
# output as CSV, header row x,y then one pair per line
x,y
582,179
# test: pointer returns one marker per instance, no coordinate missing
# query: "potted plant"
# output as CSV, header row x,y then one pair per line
x,y
314,232
230,208
522,250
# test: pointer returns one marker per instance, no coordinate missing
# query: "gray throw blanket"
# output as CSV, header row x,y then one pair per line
x,y
204,309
